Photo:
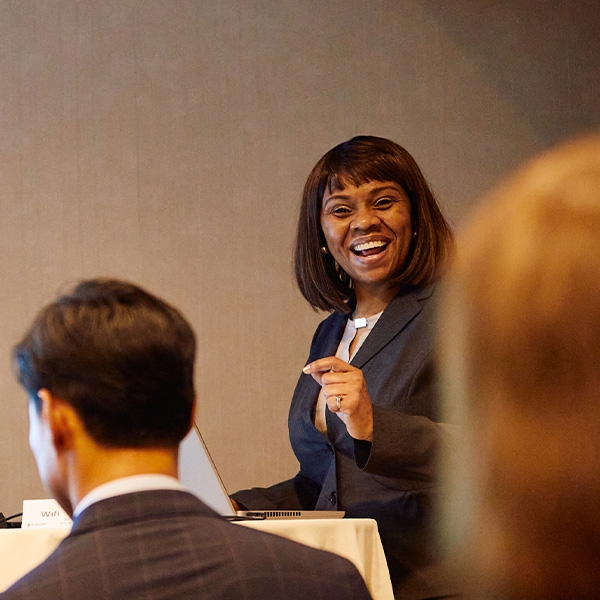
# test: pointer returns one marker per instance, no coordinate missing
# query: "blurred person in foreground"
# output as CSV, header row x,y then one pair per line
x,y
109,370
364,422
520,341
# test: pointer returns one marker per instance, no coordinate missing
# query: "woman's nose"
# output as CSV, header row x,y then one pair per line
x,y
365,219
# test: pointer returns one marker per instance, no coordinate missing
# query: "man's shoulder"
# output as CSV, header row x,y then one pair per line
x,y
196,546
293,564
133,508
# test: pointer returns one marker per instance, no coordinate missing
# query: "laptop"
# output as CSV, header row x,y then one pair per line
x,y
199,475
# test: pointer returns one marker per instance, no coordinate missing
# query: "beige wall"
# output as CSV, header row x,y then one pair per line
x,y
167,142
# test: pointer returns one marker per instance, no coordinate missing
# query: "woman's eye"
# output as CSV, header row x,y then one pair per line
x,y
340,211
384,202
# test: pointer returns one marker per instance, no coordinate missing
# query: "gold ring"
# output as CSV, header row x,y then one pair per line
x,y
338,402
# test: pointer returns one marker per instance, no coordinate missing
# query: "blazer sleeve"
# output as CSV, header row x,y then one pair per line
x,y
279,496
406,443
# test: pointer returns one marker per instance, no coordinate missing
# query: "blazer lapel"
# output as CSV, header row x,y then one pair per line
x,y
399,312
333,331
307,388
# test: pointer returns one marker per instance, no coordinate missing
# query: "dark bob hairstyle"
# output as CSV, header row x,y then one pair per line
x,y
361,160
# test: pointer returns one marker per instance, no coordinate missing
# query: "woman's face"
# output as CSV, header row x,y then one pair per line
x,y
368,231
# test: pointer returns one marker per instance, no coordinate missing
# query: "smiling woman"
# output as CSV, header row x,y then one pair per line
x,y
351,165
371,244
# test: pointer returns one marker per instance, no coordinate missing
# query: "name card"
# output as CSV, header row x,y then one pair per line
x,y
44,513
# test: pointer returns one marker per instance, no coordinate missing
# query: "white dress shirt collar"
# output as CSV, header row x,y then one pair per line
x,y
127,485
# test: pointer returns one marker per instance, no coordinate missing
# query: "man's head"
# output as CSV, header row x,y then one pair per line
x,y
521,347
119,359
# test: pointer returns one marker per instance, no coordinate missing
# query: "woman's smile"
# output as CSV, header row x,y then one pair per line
x,y
369,248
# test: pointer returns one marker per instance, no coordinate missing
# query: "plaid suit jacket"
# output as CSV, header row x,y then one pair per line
x,y
168,544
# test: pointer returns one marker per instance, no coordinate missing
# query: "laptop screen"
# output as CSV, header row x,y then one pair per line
x,y
198,474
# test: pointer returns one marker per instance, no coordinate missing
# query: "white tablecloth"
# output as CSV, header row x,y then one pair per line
x,y
356,539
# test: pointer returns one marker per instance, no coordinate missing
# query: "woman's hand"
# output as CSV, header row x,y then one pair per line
x,y
346,394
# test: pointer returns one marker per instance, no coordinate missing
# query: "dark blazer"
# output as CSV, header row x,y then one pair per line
x,y
391,479
168,544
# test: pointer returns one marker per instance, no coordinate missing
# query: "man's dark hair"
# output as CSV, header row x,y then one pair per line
x,y
121,357
361,160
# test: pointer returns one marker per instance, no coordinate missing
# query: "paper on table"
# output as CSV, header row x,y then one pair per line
x,y
44,513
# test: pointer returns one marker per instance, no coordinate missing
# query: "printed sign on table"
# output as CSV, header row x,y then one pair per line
x,y
44,513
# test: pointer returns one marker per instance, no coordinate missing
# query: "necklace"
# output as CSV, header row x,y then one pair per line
x,y
361,322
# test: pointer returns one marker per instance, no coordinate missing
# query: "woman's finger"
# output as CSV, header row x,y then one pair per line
x,y
335,403
330,363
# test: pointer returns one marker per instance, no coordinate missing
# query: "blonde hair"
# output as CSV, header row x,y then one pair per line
x,y
521,349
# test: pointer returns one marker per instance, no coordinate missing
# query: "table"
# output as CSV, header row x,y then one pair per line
x,y
356,539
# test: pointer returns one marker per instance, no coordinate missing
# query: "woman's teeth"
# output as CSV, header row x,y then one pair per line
x,y
369,246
